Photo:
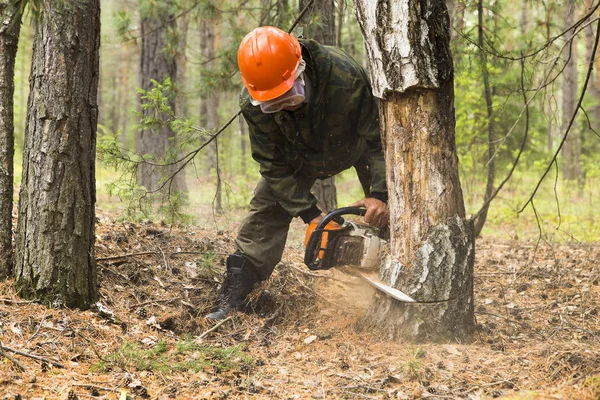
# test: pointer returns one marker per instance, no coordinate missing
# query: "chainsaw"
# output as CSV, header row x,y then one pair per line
x,y
354,245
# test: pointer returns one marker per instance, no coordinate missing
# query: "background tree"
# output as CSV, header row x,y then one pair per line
x,y
10,26
571,151
319,24
432,245
159,46
55,236
489,120
209,95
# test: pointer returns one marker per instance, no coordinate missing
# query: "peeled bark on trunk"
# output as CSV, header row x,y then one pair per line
x,y
10,26
55,236
432,250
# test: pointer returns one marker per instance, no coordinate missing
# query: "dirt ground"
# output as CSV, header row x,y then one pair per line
x,y
536,308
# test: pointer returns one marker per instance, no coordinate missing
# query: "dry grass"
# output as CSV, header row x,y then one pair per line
x,y
537,337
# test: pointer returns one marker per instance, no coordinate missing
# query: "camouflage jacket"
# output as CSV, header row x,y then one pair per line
x,y
336,126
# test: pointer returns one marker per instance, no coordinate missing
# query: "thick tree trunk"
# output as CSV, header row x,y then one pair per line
x,y
432,244
10,26
157,63
323,31
55,236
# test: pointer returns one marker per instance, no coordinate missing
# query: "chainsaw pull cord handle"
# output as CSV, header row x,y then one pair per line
x,y
314,242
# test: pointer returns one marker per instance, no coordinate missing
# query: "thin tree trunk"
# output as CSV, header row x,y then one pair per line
x,y
116,105
340,22
591,146
157,27
491,126
571,151
283,10
323,31
243,144
181,60
432,248
548,109
10,26
209,103
125,110
55,236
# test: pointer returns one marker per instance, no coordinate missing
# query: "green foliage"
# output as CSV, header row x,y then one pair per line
x,y
505,38
414,368
185,356
505,42
156,113
208,262
123,23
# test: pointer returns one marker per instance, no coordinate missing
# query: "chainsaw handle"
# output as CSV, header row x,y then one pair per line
x,y
336,215
313,247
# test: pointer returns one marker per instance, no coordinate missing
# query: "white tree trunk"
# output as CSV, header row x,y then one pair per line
x,y
432,247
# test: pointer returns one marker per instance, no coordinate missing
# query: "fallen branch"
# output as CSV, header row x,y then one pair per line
x,y
90,386
91,345
214,328
17,302
147,253
35,357
304,272
154,301
483,385
13,360
38,328
197,252
128,255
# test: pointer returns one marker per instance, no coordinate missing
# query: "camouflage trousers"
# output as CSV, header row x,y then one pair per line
x,y
263,233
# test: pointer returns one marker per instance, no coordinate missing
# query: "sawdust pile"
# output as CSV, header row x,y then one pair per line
x,y
538,330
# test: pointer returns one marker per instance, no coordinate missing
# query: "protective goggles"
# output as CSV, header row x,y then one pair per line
x,y
291,98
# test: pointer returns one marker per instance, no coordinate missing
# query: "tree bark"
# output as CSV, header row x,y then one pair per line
x,y
491,126
157,63
571,151
243,145
125,110
10,26
340,22
432,249
55,236
591,146
209,107
320,26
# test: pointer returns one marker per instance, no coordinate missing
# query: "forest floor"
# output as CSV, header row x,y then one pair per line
x,y
538,329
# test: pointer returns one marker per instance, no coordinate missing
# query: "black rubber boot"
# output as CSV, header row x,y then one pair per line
x,y
237,285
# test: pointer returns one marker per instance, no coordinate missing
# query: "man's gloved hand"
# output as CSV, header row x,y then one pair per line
x,y
331,225
377,211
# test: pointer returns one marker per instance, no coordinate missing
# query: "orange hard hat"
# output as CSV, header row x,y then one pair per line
x,y
268,59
